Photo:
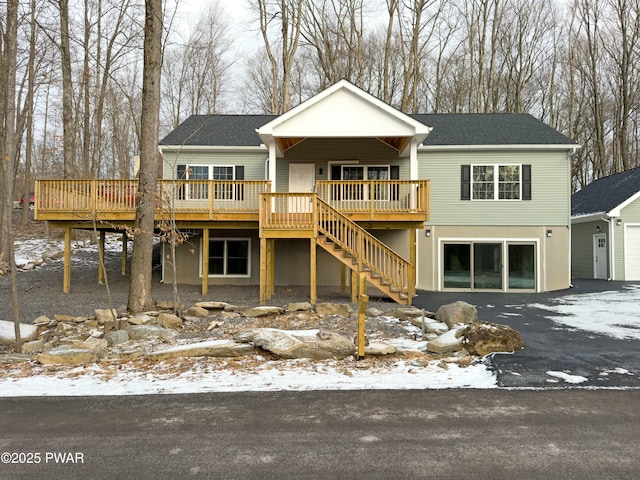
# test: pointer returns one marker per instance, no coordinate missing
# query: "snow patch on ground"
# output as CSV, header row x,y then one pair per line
x,y
574,379
614,313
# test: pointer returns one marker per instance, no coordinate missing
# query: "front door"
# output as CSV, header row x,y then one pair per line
x,y
301,180
600,256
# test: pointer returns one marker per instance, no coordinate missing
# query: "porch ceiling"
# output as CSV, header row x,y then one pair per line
x,y
399,144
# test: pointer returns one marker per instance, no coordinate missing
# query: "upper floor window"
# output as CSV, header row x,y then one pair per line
x,y
200,190
496,182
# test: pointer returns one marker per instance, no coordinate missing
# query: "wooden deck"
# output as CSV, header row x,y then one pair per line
x,y
196,201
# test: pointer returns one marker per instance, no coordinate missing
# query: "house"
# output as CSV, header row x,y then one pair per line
x,y
344,189
605,238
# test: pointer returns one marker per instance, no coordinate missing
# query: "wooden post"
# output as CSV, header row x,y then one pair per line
x,y
205,261
314,272
411,290
264,274
101,259
343,279
272,267
123,266
354,286
66,284
363,299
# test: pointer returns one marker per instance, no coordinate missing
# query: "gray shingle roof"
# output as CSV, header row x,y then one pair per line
x,y
605,194
489,129
448,129
218,130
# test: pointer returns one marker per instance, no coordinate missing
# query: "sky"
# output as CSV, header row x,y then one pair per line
x,y
611,314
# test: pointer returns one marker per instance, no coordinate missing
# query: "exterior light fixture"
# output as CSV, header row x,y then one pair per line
x,y
619,222
598,228
427,232
549,233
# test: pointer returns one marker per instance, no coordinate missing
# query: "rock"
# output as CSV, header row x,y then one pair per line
x,y
199,312
482,338
214,324
33,346
457,313
8,333
169,320
379,348
373,312
117,337
342,309
93,344
166,305
141,332
409,313
215,348
140,319
42,321
63,318
299,344
126,353
445,343
430,325
228,315
106,315
263,311
66,356
300,307
14,358
213,305
80,319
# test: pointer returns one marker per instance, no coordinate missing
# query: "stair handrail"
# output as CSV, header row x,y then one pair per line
x,y
354,243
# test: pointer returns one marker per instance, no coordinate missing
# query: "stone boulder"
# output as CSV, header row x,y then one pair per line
x,y
33,346
214,348
213,305
299,307
66,356
299,344
457,313
411,314
117,337
8,333
342,309
169,320
106,315
482,338
198,312
142,332
140,319
379,348
263,311
446,343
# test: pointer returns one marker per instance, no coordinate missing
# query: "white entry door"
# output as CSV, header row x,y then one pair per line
x,y
600,256
301,179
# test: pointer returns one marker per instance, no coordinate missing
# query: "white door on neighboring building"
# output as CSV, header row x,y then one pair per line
x,y
301,179
632,253
600,256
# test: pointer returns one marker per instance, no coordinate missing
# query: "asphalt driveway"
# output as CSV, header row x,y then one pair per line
x,y
549,346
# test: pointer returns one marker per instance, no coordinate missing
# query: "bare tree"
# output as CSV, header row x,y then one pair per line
x,y
140,288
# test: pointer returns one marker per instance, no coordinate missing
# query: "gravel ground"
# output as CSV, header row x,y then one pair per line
x,y
40,290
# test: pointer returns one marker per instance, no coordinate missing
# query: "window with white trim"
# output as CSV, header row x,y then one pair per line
x,y
197,176
229,257
496,182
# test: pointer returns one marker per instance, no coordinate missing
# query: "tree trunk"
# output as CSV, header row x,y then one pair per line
x,y
67,93
141,268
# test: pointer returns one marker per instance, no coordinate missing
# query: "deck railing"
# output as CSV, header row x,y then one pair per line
x,y
88,197
287,211
376,196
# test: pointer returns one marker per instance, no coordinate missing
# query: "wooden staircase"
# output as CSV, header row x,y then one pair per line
x,y
364,253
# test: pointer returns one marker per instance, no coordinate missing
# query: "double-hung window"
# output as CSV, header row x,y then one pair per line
x,y
496,182
229,257
196,186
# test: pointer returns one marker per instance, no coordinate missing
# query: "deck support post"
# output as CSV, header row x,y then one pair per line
x,y
123,266
205,261
272,267
264,274
363,300
343,279
354,286
101,259
314,271
66,284
411,288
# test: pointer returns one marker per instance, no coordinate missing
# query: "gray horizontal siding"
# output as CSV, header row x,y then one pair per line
x,y
550,204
